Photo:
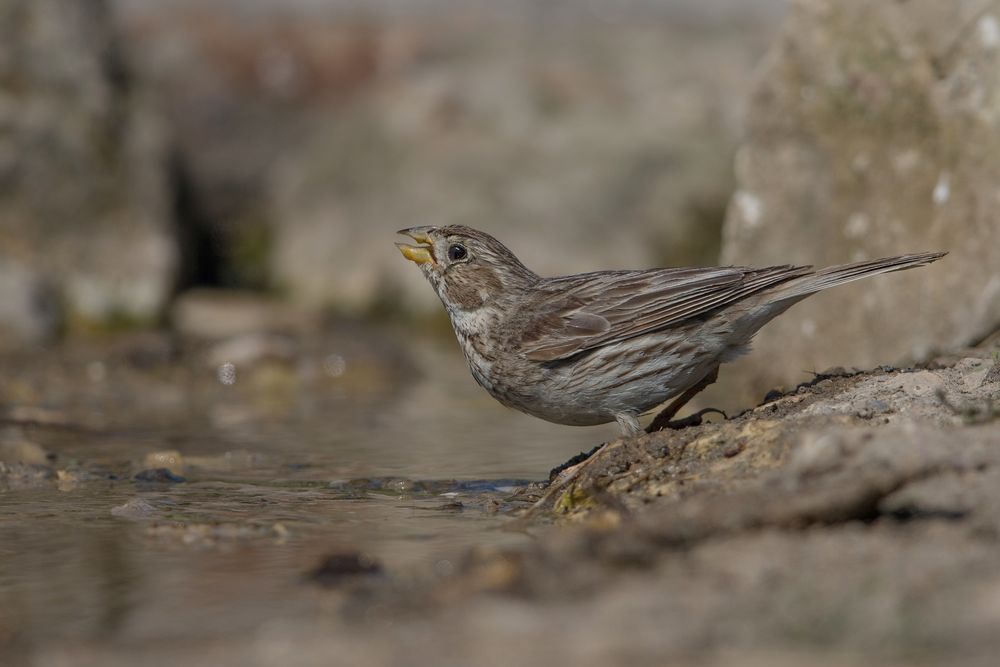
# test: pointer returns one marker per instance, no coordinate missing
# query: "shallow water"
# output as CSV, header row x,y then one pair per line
x,y
397,457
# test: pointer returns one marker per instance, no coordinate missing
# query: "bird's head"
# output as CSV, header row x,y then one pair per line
x,y
467,268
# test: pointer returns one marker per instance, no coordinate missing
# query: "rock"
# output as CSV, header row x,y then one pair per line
x,y
216,314
993,375
22,451
337,568
15,447
69,479
83,172
16,476
29,308
157,476
873,129
134,508
33,414
806,434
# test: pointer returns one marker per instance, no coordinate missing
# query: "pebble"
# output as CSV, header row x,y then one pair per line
x,y
734,450
134,508
338,568
158,476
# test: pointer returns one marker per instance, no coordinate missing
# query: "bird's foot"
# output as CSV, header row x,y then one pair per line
x,y
690,420
573,462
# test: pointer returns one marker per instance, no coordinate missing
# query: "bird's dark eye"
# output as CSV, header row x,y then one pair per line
x,y
457,252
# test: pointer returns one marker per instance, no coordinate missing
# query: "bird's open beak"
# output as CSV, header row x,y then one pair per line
x,y
420,254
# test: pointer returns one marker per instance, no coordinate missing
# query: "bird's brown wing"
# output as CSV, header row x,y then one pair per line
x,y
591,310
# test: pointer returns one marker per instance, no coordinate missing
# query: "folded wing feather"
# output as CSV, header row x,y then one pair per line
x,y
592,310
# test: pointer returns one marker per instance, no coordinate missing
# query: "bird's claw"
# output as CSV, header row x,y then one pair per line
x,y
575,461
691,420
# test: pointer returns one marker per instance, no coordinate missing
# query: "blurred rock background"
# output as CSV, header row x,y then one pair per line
x,y
150,148
873,129
310,132
86,227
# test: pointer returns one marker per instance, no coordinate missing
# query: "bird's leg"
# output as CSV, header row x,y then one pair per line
x,y
662,420
629,424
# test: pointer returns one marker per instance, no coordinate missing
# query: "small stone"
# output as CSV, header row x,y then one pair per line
x,y
873,407
734,449
443,568
401,486
134,508
337,569
819,453
226,374
158,476
281,532
878,405
68,480
773,395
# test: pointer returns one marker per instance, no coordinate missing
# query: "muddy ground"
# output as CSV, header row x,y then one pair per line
x,y
851,520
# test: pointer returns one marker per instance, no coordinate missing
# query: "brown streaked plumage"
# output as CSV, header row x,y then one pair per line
x,y
610,345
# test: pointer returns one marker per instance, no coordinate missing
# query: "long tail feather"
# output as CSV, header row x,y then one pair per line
x,y
832,276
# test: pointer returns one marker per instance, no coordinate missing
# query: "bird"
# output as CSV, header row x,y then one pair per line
x,y
608,346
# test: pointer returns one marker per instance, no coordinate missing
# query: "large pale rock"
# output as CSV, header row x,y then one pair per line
x,y
874,129
82,172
